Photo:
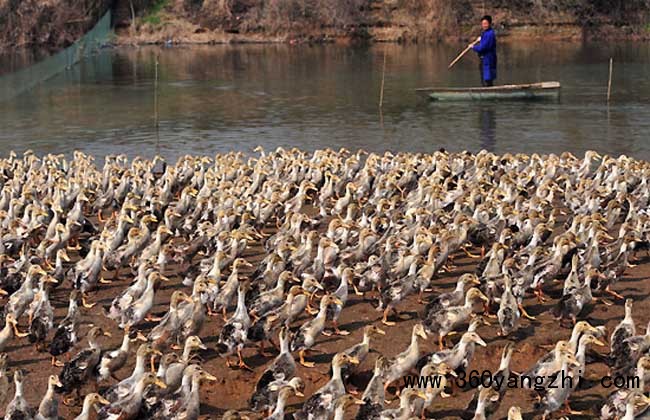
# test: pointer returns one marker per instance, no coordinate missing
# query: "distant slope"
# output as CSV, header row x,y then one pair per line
x,y
47,23
57,23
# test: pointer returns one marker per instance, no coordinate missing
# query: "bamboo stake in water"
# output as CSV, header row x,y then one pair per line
x,y
155,95
383,78
609,83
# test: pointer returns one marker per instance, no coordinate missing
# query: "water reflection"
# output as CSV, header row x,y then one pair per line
x,y
488,127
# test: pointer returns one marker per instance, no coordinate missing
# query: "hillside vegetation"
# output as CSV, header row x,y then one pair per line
x,y
56,23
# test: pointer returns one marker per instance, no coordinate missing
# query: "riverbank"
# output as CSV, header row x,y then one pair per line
x,y
55,24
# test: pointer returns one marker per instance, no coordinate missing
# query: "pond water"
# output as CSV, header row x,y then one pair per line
x,y
218,98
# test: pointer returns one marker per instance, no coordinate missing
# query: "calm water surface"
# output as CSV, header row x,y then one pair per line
x,y
219,98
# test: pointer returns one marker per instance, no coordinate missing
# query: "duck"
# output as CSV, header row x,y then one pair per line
x,y
499,383
557,396
342,403
305,338
444,321
341,292
90,402
453,298
487,396
508,313
9,331
398,290
174,373
435,386
619,346
169,326
406,360
514,413
572,303
48,409
41,314
128,407
112,361
18,408
636,405
615,406
125,386
373,396
273,298
193,314
461,354
21,298
284,394
404,411
191,403
81,368
234,334
4,379
362,349
126,297
65,336
637,345
321,403
139,309
551,362
85,279
229,289
283,367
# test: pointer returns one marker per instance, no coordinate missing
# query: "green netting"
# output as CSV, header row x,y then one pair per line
x,y
13,84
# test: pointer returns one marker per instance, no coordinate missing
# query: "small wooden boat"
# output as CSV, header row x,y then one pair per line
x,y
531,91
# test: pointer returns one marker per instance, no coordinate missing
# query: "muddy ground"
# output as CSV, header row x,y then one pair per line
x,y
234,386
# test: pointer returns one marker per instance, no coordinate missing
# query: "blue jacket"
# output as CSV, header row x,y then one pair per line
x,y
487,51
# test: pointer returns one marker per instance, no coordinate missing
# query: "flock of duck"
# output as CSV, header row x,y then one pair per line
x,y
330,225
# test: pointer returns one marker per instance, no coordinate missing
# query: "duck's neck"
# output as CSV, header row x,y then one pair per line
x,y
85,412
241,304
49,394
460,286
140,362
139,389
404,401
628,315
505,361
366,339
72,306
93,344
279,407
342,290
413,348
284,346
336,372
125,343
19,390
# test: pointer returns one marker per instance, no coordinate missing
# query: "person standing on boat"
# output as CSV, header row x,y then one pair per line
x,y
486,48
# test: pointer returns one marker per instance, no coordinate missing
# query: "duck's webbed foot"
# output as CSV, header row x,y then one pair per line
x,y
613,293
84,301
304,362
385,320
524,313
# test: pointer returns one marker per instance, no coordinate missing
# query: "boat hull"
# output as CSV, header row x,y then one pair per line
x,y
535,91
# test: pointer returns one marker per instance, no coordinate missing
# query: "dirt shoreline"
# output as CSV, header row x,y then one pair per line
x,y
234,386
190,34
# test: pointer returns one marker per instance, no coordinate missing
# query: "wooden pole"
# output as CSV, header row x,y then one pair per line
x,y
383,78
469,47
609,82
155,95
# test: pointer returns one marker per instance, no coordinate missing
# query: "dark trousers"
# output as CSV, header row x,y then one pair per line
x,y
484,83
